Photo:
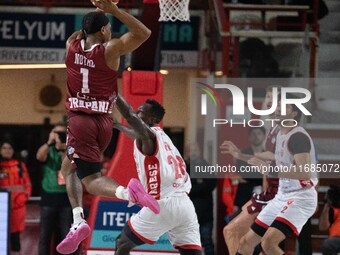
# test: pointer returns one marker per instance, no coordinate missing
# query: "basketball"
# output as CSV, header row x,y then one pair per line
x,y
115,1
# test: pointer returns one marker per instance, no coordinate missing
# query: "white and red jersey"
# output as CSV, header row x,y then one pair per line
x,y
164,173
285,158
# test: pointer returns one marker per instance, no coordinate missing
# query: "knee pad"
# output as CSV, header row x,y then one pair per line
x,y
189,252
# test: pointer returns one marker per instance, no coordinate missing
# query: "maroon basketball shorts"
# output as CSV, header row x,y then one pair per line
x,y
259,201
88,136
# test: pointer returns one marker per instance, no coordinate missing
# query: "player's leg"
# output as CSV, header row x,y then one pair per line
x,y
248,242
99,185
79,229
272,238
74,190
126,242
237,228
144,227
73,184
69,171
260,226
292,216
185,234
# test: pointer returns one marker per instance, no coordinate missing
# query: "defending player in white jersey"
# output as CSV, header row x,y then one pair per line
x,y
162,171
296,199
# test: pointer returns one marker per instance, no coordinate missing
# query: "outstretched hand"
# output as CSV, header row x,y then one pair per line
x,y
228,147
104,5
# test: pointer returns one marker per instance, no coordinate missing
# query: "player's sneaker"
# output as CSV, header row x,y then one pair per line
x,y
139,196
74,237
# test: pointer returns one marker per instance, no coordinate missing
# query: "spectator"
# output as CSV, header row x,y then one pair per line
x,y
330,219
14,178
56,211
201,196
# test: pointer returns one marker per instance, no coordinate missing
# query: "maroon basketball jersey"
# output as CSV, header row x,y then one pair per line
x,y
91,84
273,183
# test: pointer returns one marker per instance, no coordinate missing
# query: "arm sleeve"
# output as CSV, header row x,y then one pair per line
x,y
299,143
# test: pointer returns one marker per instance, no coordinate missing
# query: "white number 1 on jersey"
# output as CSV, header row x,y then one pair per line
x,y
85,87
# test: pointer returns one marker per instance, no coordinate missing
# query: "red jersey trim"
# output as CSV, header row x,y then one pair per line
x,y
153,176
288,223
260,223
145,240
306,183
189,246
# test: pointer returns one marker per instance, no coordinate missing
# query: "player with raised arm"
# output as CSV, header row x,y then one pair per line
x,y
92,63
296,199
162,171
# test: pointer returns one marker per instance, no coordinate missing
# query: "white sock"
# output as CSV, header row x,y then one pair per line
x,y
122,193
78,215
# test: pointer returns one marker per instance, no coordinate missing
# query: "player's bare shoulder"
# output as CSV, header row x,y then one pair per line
x,y
112,53
75,36
113,47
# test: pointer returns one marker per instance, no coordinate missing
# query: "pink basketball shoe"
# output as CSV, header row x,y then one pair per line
x,y
76,235
139,196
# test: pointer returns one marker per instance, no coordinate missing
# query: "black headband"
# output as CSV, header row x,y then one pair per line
x,y
94,21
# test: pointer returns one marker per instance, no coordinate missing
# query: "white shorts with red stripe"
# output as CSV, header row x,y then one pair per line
x,y
292,208
177,218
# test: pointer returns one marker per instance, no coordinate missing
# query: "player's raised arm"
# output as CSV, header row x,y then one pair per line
x,y
137,34
127,130
146,138
228,147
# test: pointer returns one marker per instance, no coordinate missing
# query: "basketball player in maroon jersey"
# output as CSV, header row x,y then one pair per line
x,y
92,63
240,225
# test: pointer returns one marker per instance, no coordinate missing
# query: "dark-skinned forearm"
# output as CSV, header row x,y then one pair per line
x,y
126,130
124,107
131,117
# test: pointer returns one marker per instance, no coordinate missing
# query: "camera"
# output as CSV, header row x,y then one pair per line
x,y
333,196
62,136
